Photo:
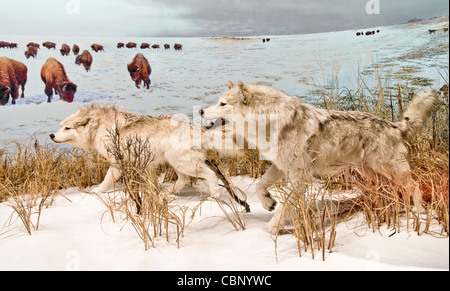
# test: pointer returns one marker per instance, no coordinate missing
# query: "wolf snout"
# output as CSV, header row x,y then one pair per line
x,y
52,136
201,112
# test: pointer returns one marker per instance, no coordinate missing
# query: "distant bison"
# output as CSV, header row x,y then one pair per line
x,y
75,49
131,45
120,45
49,45
55,78
167,46
140,70
4,44
86,59
145,45
12,75
65,50
430,31
155,46
31,52
36,45
177,47
96,47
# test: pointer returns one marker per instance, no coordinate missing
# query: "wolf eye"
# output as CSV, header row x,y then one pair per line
x,y
223,104
67,128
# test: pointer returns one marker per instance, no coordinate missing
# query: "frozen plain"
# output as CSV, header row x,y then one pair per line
x,y
75,233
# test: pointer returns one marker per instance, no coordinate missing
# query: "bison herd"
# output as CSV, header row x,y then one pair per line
x,y
371,32
432,31
145,45
13,74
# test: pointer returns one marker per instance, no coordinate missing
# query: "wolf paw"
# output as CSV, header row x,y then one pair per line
x,y
99,189
268,202
270,228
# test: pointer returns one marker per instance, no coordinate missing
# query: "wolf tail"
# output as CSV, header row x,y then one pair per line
x,y
419,109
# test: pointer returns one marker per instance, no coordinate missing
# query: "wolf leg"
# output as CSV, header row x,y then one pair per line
x,y
203,171
111,176
278,219
179,184
194,166
400,174
272,175
285,212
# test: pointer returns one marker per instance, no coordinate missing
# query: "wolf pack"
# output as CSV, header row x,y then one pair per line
x,y
301,142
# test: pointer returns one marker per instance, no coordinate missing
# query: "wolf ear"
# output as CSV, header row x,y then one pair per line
x,y
230,85
82,122
244,94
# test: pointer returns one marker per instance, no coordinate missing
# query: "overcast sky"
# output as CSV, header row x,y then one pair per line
x,y
205,17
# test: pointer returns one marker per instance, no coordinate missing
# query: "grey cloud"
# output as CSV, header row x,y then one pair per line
x,y
256,17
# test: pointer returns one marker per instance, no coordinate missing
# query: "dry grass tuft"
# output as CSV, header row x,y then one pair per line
x,y
32,175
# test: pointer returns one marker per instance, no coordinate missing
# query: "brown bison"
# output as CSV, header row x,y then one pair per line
x,y
140,70
155,46
178,47
21,72
8,81
145,45
49,45
120,45
75,49
65,50
167,46
55,78
131,45
96,47
36,45
86,59
31,52
13,45
4,44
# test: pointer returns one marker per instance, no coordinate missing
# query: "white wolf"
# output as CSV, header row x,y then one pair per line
x,y
315,142
170,140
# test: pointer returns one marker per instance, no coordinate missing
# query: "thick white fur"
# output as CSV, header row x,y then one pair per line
x,y
315,142
170,140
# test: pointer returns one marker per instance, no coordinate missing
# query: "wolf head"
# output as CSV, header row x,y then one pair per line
x,y
231,102
78,129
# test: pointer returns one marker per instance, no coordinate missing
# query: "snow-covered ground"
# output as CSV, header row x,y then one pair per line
x,y
80,234
77,233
